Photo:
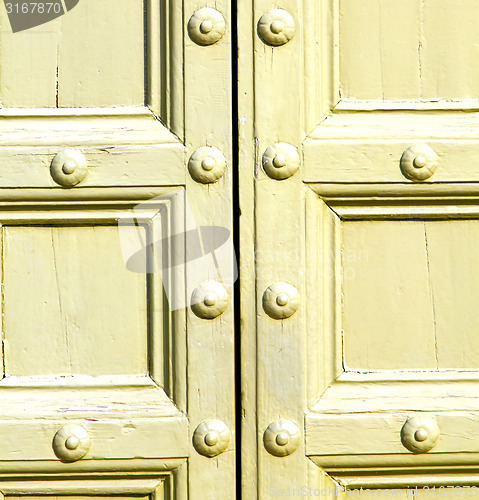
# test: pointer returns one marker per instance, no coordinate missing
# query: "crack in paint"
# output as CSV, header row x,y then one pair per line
x,y
419,46
431,292
62,318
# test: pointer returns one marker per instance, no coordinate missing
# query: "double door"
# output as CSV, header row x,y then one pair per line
x,y
334,145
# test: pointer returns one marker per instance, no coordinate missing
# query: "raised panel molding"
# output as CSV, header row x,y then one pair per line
x,y
92,486
366,146
361,140
127,416
353,425
124,145
373,471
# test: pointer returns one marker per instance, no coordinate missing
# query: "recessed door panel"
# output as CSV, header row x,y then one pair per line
x,y
409,295
387,305
407,51
77,60
71,307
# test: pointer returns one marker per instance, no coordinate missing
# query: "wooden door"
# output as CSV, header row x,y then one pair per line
x,y
117,264
359,228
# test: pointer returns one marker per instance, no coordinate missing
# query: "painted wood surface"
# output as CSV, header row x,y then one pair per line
x,y
211,361
402,270
74,61
407,50
87,341
384,263
67,272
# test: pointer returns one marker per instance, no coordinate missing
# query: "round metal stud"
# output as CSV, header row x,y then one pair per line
x,y
281,160
276,27
69,167
209,300
206,26
420,434
211,437
71,443
207,164
281,438
280,300
419,162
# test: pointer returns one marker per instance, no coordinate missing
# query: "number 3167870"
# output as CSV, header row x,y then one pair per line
x,y
34,8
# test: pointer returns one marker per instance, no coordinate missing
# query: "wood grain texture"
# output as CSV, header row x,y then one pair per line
x,y
452,256
247,156
28,59
210,350
76,60
407,51
400,494
85,313
279,242
117,439
388,309
71,497
365,145
385,266
446,33
380,433
79,344
101,55
379,49
81,488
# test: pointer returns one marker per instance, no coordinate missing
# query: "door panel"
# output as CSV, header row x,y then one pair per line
x,y
390,51
44,68
401,270
358,187
111,377
68,340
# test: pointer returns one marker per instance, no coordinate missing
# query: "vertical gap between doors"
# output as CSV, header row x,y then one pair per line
x,y
236,240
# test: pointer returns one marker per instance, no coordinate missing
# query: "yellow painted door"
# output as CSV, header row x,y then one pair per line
x,y
359,193
116,254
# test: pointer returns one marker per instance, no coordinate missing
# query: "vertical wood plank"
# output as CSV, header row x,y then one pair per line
x,y
247,162
2,303
331,282
320,62
175,79
360,68
158,331
322,276
157,61
312,71
279,240
313,315
208,114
